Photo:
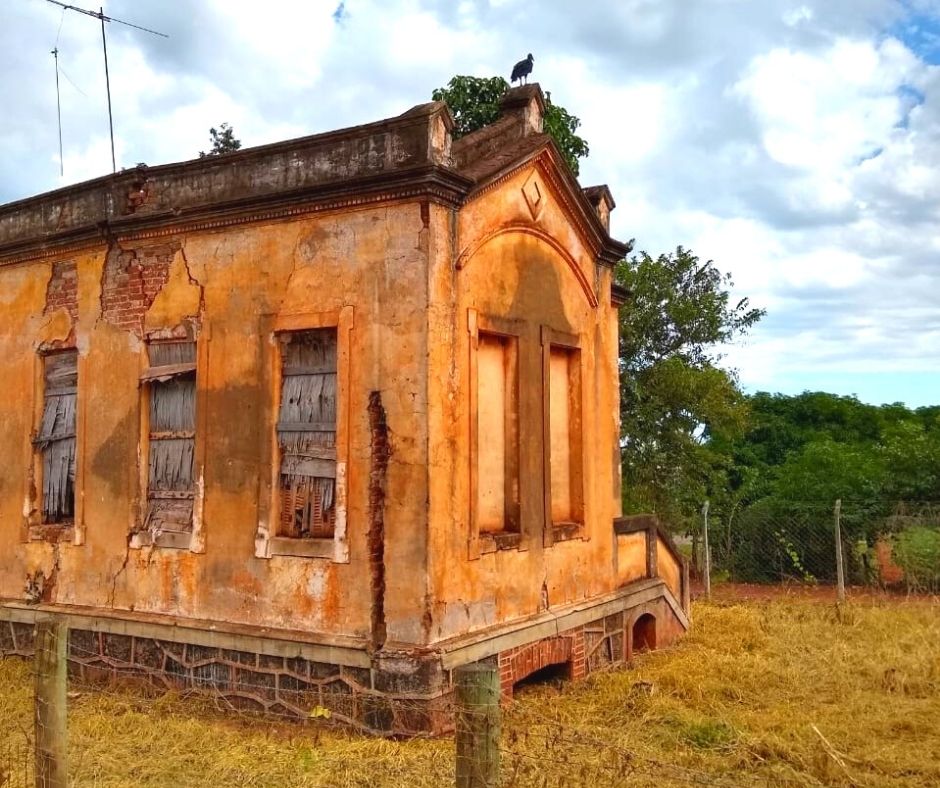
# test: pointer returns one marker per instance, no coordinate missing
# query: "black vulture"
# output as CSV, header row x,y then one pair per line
x,y
522,69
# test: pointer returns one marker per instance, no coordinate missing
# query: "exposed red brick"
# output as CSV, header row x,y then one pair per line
x,y
381,450
131,281
62,290
516,664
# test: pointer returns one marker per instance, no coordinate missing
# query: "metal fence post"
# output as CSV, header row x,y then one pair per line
x,y
707,551
840,572
51,662
477,718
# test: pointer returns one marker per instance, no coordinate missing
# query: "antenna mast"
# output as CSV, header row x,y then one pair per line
x,y
58,108
100,15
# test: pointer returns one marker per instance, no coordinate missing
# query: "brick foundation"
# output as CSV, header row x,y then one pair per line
x,y
604,643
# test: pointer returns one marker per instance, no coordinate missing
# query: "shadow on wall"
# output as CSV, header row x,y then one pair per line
x,y
538,291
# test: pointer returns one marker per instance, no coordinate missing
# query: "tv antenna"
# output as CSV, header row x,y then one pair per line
x,y
99,15
58,107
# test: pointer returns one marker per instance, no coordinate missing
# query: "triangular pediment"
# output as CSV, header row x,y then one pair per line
x,y
550,177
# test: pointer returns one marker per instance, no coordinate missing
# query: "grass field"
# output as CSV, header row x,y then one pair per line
x,y
785,692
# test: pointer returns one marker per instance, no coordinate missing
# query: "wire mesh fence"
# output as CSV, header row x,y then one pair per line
x,y
16,759
884,544
887,544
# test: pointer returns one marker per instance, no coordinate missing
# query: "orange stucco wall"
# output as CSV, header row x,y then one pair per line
x,y
669,569
410,273
373,260
530,267
631,557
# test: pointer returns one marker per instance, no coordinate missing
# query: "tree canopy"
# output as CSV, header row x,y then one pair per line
x,y
826,446
223,141
474,102
675,398
801,453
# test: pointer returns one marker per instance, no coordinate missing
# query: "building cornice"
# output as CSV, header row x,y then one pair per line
x,y
431,183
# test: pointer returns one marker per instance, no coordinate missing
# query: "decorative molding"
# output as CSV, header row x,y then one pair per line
x,y
603,248
533,196
433,183
526,228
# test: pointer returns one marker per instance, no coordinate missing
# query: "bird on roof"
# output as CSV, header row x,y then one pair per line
x,y
522,69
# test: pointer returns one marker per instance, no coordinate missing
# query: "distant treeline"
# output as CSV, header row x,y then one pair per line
x,y
819,446
772,519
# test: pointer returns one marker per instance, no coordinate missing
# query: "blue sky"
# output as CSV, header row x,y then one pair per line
x,y
920,31
921,388
795,142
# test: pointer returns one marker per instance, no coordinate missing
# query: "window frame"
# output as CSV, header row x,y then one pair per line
x,y
268,542
194,539
324,424
574,529
513,534
35,528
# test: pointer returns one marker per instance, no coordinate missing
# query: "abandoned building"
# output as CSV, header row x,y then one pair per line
x,y
314,423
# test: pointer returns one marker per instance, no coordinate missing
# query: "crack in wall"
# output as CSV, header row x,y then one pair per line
x,y
193,280
114,579
131,281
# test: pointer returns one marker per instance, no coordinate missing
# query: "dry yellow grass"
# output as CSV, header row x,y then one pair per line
x,y
787,693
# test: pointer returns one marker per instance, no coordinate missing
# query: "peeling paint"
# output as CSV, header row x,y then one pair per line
x,y
393,263
56,327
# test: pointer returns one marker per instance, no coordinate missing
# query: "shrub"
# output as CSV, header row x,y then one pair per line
x,y
917,551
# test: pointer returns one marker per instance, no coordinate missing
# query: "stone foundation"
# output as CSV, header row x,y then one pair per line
x,y
391,693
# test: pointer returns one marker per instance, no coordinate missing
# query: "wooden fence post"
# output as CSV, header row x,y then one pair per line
x,y
51,662
840,572
686,591
477,718
707,551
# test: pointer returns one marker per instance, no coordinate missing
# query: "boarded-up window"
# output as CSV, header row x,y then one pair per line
x,y
564,416
171,385
56,438
497,438
306,432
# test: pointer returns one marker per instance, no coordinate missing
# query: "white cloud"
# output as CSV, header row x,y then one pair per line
x,y
795,142
822,112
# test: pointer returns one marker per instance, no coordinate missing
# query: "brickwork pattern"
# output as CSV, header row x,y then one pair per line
x,y
62,290
132,280
16,640
518,663
598,645
377,700
294,687
381,452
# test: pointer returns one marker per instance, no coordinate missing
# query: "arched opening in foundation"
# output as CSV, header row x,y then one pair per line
x,y
644,633
549,676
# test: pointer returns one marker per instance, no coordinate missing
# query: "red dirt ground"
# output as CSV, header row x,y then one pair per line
x,y
756,592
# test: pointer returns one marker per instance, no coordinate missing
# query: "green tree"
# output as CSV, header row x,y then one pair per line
x,y
563,127
474,102
801,453
906,441
911,454
680,411
223,141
